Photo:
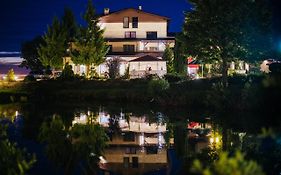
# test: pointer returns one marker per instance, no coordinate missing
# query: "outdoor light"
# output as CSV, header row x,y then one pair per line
x,y
217,140
211,140
141,139
102,160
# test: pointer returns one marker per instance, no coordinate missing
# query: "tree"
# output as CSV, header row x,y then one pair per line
x,y
113,67
12,159
168,56
90,47
67,146
67,73
227,165
219,30
69,25
11,75
180,57
30,55
52,51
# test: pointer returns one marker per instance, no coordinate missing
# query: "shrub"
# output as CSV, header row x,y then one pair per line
x,y
229,165
29,78
113,67
156,87
149,76
172,78
67,73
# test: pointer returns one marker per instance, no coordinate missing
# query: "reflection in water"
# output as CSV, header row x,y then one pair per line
x,y
139,140
139,144
81,144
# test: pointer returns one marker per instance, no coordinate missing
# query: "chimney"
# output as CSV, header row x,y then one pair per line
x,y
106,11
140,7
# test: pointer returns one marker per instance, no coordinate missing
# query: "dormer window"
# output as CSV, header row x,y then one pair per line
x,y
135,22
126,22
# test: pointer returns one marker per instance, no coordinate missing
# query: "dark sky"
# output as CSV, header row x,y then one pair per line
x,y
21,20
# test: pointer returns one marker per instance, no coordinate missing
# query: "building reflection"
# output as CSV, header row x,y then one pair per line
x,y
137,146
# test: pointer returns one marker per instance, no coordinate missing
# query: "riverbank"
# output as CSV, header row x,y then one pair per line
x,y
188,93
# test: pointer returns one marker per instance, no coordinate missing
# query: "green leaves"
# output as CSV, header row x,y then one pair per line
x,y
217,28
168,56
52,51
90,47
68,146
229,165
12,159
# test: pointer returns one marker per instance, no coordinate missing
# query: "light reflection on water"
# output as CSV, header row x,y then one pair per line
x,y
139,142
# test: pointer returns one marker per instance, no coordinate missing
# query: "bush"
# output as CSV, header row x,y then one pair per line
x,y
172,78
29,78
229,165
151,76
156,87
67,73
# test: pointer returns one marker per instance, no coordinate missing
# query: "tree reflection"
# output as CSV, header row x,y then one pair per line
x,y
13,160
71,147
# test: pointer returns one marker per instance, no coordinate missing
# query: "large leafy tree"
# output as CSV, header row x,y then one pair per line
x,y
224,30
30,54
51,52
90,47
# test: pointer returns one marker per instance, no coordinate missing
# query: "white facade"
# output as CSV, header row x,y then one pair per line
x,y
116,30
142,68
143,34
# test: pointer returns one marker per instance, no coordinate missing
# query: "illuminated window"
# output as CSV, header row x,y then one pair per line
x,y
126,22
130,34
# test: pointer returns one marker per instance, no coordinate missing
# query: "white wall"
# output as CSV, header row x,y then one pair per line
x,y
116,30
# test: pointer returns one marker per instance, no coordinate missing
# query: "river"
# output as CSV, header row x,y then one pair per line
x,y
140,139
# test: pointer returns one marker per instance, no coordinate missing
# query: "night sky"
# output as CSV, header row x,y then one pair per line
x,y
22,20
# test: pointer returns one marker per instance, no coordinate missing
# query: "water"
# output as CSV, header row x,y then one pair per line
x,y
141,139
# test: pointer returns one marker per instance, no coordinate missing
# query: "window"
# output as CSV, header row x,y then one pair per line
x,y
126,22
135,162
129,48
131,150
126,162
151,150
129,137
153,48
130,34
135,21
151,35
